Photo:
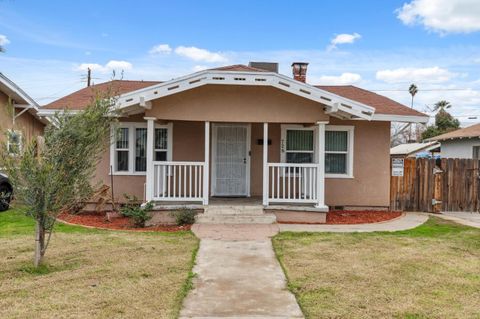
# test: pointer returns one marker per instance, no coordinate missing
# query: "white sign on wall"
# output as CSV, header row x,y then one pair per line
x,y
397,166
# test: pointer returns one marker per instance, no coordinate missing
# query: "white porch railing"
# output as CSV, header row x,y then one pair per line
x,y
292,183
178,181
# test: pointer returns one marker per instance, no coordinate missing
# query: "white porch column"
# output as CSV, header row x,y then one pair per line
x,y
206,168
265,164
149,180
321,166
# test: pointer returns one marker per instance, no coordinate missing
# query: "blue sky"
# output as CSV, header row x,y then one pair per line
x,y
378,45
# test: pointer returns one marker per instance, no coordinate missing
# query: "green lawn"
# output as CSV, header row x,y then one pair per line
x,y
93,273
432,271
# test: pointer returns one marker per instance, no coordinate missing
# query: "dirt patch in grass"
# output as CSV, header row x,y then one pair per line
x,y
95,274
99,220
431,271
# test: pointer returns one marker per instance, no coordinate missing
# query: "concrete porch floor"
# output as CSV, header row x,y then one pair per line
x,y
238,201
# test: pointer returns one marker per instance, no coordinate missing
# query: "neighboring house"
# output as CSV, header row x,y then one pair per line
x,y
462,143
427,149
19,119
244,131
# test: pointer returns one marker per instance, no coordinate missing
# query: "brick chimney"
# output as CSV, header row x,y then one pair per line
x,y
299,70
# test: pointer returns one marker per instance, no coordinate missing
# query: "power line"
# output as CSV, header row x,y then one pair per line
x,y
406,90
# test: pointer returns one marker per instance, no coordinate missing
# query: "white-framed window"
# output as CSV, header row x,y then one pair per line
x,y
128,152
339,141
14,142
299,145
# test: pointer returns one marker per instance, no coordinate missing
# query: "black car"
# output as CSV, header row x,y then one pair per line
x,y
5,192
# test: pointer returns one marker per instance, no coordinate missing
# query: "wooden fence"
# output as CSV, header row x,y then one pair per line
x,y
429,185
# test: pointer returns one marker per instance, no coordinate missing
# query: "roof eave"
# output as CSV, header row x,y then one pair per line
x,y
335,103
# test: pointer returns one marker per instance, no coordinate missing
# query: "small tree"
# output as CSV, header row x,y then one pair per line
x,y
54,173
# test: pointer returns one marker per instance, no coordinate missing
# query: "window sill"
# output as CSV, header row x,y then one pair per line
x,y
128,174
339,176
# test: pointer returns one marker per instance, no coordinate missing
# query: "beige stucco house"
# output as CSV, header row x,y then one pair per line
x,y
19,120
248,131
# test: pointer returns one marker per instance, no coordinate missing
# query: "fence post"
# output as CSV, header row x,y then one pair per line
x,y
437,190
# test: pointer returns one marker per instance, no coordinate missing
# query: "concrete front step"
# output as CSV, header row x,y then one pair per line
x,y
235,219
234,210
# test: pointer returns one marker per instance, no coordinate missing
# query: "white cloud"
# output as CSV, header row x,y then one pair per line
x,y
4,40
112,65
343,38
342,79
442,16
161,49
197,54
198,68
429,75
118,65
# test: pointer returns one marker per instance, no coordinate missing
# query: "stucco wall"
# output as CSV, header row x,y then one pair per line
x,y
458,148
27,123
221,103
369,187
371,168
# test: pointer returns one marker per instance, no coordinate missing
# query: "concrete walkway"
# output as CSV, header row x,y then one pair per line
x,y
238,275
465,218
404,222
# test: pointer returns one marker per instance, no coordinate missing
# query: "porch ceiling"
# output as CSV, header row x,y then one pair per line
x,y
336,105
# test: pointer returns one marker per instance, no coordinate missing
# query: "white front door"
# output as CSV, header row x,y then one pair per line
x,y
230,160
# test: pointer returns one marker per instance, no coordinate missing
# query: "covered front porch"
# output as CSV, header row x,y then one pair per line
x,y
239,163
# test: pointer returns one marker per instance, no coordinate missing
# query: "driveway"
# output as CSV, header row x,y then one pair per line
x,y
466,218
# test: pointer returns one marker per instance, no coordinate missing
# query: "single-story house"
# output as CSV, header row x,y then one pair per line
x,y
19,119
415,150
248,131
462,143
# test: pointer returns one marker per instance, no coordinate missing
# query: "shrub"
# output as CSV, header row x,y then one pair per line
x,y
184,217
135,211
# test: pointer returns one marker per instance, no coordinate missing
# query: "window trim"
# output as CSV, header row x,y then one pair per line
x,y
20,142
132,126
473,151
350,129
283,141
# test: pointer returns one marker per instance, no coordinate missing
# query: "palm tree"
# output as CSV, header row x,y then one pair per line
x,y
441,106
412,90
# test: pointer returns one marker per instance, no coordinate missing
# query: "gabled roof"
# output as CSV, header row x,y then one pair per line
x,y
336,105
339,99
80,99
467,132
21,100
410,148
15,92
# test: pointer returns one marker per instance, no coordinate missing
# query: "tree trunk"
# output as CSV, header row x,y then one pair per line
x,y
39,243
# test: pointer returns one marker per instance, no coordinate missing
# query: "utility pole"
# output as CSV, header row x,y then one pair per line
x,y
89,76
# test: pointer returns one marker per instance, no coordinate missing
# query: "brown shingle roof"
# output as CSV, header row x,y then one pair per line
x,y
80,99
467,132
382,104
239,68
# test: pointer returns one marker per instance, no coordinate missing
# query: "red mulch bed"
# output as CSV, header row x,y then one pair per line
x,y
99,220
360,217
337,217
